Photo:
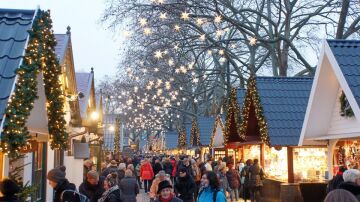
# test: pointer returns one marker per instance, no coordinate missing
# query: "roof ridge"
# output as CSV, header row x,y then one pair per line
x,y
15,40
285,77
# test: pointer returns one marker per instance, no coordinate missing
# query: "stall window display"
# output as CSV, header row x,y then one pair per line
x,y
310,164
251,152
275,165
234,154
219,153
347,153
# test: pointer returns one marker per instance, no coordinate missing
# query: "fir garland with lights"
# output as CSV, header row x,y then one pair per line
x,y
217,122
39,57
345,108
117,136
195,134
182,138
252,97
232,110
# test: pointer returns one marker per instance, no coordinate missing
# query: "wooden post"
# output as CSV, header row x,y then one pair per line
x,y
262,155
290,159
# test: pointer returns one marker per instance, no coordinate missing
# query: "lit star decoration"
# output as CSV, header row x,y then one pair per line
x,y
142,22
217,19
252,41
185,16
163,16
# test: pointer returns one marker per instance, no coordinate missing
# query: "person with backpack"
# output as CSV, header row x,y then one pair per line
x,y
337,180
64,190
93,187
210,189
234,182
256,181
112,191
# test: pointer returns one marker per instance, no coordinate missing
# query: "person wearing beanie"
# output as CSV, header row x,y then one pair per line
x,y
59,183
93,187
112,191
166,193
9,189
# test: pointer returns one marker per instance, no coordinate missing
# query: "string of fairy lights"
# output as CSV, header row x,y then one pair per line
x,y
161,95
39,58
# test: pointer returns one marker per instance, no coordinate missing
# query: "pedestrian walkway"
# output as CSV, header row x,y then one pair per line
x,y
142,196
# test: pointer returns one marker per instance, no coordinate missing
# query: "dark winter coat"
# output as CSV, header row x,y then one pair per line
x,y
256,175
335,182
61,186
157,167
93,192
185,187
121,175
351,187
233,178
168,168
188,168
9,199
129,189
114,196
109,170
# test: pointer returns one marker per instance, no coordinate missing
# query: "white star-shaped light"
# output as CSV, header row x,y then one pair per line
x,y
142,22
222,59
177,70
163,16
219,32
252,41
177,28
217,19
199,21
147,31
176,47
171,62
158,54
202,37
221,52
185,15
209,52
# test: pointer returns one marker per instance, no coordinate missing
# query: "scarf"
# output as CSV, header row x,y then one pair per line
x,y
107,193
168,199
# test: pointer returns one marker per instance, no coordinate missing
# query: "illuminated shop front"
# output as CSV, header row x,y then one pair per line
x,y
251,152
346,153
275,165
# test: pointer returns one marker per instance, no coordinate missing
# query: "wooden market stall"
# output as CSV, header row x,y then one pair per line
x,y
273,115
333,114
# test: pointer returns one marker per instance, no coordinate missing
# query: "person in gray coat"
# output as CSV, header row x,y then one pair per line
x,y
129,187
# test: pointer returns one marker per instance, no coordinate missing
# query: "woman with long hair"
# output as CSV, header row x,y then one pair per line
x,y
210,188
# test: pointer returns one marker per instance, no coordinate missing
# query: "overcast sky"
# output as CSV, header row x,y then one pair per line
x,y
93,46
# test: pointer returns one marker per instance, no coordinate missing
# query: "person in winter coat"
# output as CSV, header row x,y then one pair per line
x,y
93,187
168,167
337,180
208,165
146,174
185,186
197,175
121,171
210,189
233,178
245,180
111,169
59,183
173,173
129,187
137,174
166,193
351,182
186,164
256,178
224,184
157,166
88,164
161,176
9,189
112,191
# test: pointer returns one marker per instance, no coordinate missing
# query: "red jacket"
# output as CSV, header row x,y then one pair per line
x,y
173,162
146,172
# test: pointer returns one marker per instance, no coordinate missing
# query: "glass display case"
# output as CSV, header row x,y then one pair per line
x,y
310,164
275,165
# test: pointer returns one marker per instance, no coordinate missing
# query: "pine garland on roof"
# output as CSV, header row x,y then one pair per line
x,y
195,134
232,110
252,97
181,138
217,122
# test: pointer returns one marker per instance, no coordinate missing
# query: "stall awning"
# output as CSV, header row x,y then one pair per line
x,y
338,71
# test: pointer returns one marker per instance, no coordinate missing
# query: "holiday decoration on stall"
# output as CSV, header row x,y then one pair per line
x,y
345,108
117,136
195,134
39,57
252,99
232,116
217,123
182,138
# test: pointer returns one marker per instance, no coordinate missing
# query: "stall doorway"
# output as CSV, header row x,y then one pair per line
x,y
39,171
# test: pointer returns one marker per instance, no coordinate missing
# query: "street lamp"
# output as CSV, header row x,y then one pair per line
x,y
112,128
94,115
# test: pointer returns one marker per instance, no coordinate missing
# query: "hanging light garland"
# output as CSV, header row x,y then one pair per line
x,y
233,111
252,97
182,138
39,57
195,134
218,122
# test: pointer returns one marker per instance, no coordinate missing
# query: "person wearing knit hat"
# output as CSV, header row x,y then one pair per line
x,y
9,189
166,194
93,187
59,183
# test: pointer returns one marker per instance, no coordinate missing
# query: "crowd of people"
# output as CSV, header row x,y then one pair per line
x,y
175,179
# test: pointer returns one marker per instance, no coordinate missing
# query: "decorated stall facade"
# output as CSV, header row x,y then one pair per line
x,y
333,113
217,139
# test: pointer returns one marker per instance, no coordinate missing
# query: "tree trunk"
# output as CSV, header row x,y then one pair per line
x,y
342,19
